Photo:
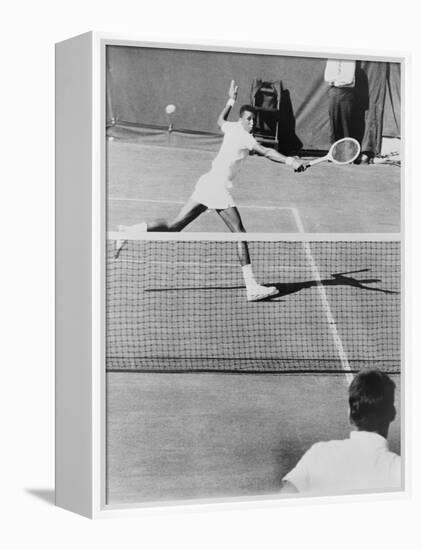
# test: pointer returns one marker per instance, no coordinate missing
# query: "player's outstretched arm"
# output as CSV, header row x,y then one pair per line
x,y
273,155
232,96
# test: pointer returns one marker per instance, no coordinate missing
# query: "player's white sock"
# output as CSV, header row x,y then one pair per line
x,y
248,276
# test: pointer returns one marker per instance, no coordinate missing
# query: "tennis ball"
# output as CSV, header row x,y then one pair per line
x,y
170,109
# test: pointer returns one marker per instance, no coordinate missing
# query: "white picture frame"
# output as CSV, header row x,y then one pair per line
x,y
80,275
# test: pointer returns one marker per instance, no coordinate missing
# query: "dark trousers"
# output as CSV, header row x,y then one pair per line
x,y
341,106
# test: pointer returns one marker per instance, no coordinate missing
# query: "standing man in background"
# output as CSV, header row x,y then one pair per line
x,y
340,75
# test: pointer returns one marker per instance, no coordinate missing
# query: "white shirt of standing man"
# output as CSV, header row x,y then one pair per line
x,y
340,73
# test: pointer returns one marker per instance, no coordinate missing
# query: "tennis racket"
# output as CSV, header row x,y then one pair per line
x,y
343,151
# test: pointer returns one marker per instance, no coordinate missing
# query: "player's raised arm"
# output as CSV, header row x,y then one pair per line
x,y
232,96
273,155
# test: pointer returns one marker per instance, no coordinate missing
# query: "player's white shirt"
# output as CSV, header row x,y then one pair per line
x,y
362,462
234,150
211,189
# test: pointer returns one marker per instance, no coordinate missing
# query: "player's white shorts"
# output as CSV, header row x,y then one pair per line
x,y
211,190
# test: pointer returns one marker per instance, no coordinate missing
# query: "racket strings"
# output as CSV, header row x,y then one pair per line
x,y
345,150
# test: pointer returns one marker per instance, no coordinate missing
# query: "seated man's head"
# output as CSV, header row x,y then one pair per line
x,y
371,401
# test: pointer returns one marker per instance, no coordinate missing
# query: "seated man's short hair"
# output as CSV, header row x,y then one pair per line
x,y
371,400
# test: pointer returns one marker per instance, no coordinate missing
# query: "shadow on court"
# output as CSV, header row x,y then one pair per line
x,y
284,289
338,279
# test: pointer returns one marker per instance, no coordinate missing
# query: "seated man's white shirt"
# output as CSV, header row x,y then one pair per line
x,y
340,73
362,462
212,188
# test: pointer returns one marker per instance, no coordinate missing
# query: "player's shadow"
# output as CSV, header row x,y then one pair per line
x,y
284,289
338,279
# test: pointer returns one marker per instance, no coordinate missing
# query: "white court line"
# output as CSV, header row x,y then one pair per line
x,y
330,319
183,202
169,145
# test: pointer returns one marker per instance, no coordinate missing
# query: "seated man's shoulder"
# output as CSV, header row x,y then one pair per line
x,y
328,449
325,446
346,447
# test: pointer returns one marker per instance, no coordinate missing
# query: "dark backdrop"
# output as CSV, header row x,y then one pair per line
x,y
141,81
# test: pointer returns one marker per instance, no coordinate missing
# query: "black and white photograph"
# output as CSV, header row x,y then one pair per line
x,y
253,275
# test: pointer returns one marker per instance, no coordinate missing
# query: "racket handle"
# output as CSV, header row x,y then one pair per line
x,y
318,161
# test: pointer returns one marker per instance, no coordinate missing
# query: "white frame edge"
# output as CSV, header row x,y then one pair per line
x,y
74,385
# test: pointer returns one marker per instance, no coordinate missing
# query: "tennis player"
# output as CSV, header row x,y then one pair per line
x,y
363,462
212,190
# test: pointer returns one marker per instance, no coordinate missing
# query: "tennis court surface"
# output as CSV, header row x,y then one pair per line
x,y
196,436
151,174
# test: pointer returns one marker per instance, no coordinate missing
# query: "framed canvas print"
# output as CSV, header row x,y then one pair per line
x,y
229,274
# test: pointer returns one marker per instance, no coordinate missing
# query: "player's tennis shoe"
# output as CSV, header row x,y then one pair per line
x,y
260,292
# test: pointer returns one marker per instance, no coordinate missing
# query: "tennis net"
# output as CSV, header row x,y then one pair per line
x,y
181,306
